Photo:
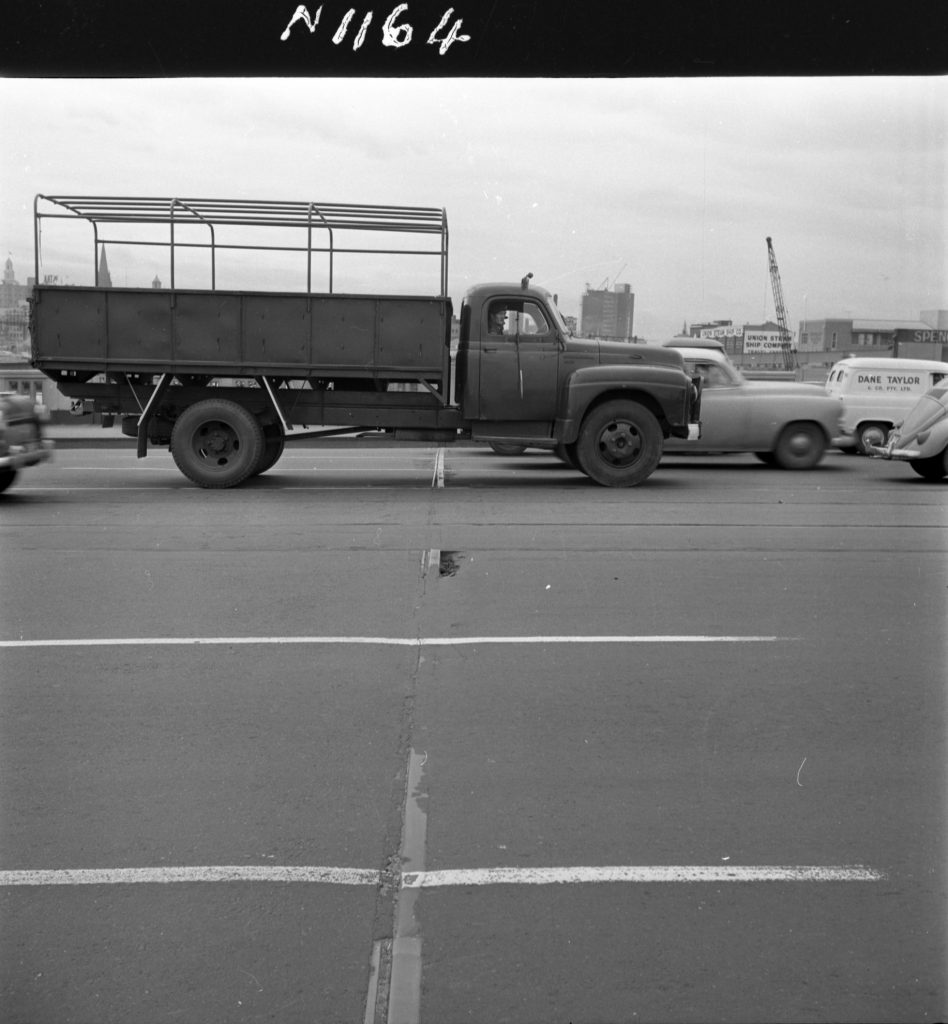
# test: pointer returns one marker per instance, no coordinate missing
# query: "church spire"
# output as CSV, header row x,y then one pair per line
x,y
103,277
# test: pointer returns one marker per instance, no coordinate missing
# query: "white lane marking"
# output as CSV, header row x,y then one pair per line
x,y
404,997
231,873
393,641
437,479
448,878
639,873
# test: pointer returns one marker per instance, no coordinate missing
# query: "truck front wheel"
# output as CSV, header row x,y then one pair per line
x,y
217,443
619,444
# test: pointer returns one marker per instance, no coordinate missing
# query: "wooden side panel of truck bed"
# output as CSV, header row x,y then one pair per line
x,y
233,334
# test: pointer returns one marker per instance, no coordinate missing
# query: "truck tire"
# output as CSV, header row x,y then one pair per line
x,y
274,442
217,443
799,446
619,444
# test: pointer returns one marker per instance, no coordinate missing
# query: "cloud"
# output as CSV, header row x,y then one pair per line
x,y
679,180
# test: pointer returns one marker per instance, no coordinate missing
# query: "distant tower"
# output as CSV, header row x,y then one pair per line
x,y
608,314
103,278
156,283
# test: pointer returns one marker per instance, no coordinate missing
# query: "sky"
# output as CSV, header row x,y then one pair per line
x,y
670,185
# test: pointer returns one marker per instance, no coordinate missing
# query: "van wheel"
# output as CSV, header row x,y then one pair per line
x,y
870,433
935,467
619,444
217,443
800,446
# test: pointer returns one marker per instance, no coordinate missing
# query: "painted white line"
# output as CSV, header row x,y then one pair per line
x,y
404,997
639,873
231,873
437,479
447,878
392,641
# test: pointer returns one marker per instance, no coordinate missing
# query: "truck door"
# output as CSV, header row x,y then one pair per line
x,y
519,360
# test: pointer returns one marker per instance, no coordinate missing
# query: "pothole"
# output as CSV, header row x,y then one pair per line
x,y
450,563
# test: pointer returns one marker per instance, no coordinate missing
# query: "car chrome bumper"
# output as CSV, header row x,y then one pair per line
x,y
19,455
893,453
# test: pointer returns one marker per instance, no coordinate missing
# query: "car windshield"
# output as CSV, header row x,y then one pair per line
x,y
718,372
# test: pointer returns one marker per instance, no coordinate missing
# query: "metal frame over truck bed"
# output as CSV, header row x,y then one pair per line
x,y
335,353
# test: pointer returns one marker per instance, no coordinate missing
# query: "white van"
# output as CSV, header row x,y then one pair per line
x,y
876,394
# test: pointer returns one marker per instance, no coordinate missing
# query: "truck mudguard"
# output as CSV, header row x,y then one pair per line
x,y
658,388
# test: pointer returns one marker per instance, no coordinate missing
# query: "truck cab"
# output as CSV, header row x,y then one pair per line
x,y
523,377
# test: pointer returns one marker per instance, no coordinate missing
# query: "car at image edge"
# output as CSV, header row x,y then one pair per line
x,y
21,436
921,439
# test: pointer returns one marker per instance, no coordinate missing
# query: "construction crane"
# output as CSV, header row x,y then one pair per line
x,y
786,338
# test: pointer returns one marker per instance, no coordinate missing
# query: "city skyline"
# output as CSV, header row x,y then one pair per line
x,y
671,186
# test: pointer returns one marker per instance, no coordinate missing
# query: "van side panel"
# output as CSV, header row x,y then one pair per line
x,y
880,390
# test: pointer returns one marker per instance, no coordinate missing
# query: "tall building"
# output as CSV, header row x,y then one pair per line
x,y
12,293
608,315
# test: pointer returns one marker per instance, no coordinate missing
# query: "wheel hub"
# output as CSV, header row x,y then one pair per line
x,y
620,443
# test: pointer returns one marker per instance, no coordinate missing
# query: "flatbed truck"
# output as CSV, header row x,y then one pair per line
x,y
225,376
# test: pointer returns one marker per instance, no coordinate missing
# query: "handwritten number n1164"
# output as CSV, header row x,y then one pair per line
x,y
394,33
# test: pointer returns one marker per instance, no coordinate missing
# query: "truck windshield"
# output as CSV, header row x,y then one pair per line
x,y
560,321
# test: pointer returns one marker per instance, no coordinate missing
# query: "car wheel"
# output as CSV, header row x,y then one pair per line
x,y
870,433
7,476
935,467
501,448
619,444
800,446
217,443
567,453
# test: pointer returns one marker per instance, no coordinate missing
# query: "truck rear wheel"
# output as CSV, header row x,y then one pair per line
x,y
619,444
274,442
217,443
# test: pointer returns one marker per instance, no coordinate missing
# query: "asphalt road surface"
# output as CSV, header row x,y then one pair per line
x,y
404,735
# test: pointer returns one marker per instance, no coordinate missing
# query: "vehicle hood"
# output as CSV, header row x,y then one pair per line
x,y
618,352
787,388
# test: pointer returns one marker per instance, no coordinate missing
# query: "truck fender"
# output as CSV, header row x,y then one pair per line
x,y
663,390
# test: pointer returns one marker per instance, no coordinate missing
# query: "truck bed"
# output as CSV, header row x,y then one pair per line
x,y
240,333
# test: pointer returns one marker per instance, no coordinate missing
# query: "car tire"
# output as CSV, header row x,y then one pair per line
x,y
567,453
935,467
619,444
799,446
7,476
217,443
871,433
502,448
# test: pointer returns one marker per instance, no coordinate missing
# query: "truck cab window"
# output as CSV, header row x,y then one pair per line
x,y
512,318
